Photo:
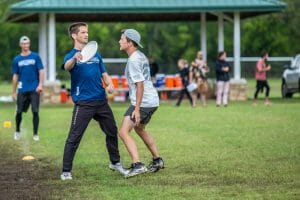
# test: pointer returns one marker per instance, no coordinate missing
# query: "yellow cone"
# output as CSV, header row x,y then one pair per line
x,y
28,158
6,124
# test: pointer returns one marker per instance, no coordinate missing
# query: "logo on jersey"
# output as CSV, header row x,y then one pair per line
x,y
91,61
20,85
77,91
27,62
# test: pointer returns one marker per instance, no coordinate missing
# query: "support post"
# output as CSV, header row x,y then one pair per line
x,y
52,47
203,36
237,46
220,32
43,47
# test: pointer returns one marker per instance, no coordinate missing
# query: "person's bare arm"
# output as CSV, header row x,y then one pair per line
x,y
15,79
225,69
107,80
71,62
41,81
268,68
190,76
206,68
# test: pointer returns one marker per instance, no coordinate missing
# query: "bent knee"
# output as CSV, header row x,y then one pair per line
x,y
139,130
122,133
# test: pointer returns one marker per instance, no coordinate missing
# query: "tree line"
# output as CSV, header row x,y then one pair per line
x,y
277,33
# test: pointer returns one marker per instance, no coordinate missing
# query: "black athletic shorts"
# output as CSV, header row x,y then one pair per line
x,y
145,113
261,84
25,99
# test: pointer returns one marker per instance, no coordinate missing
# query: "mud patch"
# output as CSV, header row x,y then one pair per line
x,y
24,179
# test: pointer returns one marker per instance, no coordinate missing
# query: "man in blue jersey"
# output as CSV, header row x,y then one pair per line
x,y
90,101
28,76
144,102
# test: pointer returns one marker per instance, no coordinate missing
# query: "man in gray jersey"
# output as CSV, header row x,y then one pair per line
x,y
144,102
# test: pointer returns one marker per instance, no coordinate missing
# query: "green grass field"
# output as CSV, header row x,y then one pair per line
x,y
239,152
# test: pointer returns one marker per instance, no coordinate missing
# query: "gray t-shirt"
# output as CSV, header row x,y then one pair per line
x,y
138,70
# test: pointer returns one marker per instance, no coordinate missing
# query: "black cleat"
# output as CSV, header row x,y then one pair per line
x,y
156,165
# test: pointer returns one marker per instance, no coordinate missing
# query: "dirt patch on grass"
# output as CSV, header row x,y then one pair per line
x,y
24,179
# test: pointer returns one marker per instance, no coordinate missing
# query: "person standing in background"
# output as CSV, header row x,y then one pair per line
x,y
222,75
28,76
184,75
153,69
261,78
198,73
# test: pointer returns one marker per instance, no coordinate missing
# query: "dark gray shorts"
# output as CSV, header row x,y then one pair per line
x,y
25,99
145,113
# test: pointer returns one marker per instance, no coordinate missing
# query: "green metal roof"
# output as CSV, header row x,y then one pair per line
x,y
144,10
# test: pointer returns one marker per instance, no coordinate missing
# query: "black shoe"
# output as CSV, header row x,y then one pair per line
x,y
156,165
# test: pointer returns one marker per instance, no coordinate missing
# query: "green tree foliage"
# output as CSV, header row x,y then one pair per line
x,y
277,33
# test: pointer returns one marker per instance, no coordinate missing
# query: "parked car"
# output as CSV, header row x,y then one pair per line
x,y
291,78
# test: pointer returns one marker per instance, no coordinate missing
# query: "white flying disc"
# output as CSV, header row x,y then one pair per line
x,y
89,51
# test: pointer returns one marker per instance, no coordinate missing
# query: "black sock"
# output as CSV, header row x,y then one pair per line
x,y
156,159
137,163
35,121
114,162
18,121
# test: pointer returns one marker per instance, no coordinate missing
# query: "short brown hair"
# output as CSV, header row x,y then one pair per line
x,y
74,28
221,53
263,54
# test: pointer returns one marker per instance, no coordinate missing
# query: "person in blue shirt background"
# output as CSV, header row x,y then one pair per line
x,y
89,97
28,77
